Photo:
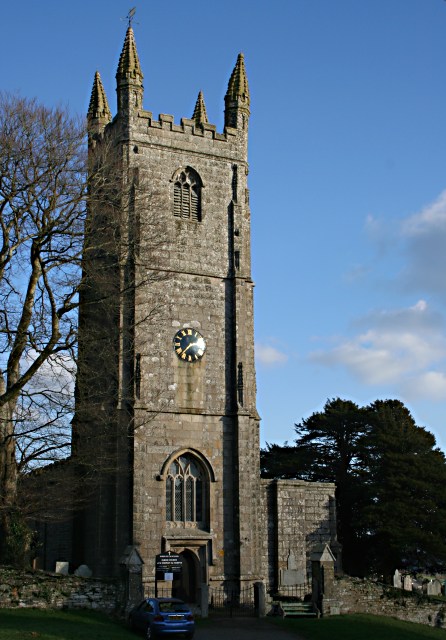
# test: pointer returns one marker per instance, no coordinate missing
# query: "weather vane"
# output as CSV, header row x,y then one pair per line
x,y
130,16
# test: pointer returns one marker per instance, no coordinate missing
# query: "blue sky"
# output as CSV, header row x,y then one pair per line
x,y
347,172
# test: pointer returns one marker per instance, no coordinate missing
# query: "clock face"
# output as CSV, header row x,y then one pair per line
x,y
189,345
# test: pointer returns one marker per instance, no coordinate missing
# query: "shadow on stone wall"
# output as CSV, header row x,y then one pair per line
x,y
42,590
356,595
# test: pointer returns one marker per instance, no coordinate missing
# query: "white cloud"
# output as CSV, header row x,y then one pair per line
x,y
424,234
431,218
416,244
268,355
417,318
421,305
57,373
378,358
430,385
401,347
382,232
357,273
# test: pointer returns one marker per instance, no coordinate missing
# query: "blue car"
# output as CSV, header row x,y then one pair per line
x,y
158,617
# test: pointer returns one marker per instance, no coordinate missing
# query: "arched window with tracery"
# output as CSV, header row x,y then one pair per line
x,y
186,490
187,195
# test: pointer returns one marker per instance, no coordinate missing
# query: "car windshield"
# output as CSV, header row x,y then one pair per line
x,y
165,607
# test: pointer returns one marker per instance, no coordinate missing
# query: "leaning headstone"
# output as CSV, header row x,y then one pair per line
x,y
437,587
397,579
433,588
83,571
291,576
291,561
407,583
62,568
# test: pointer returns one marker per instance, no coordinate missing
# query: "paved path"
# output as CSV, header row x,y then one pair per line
x,y
241,629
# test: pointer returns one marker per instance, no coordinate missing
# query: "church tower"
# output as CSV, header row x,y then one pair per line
x,y
166,396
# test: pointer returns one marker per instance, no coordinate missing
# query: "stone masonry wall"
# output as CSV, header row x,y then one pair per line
x,y
188,257
192,407
301,515
43,590
353,595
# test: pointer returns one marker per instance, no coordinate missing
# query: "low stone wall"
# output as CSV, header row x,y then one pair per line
x,y
52,591
353,595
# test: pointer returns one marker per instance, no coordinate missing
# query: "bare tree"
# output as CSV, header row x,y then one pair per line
x,y
54,256
42,212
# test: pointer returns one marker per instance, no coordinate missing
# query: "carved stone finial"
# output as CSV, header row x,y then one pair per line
x,y
129,77
238,82
129,66
98,108
237,99
200,115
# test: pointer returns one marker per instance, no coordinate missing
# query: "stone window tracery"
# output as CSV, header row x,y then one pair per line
x,y
185,490
187,195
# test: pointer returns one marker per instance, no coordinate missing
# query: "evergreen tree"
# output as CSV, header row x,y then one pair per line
x,y
403,522
329,441
390,483
326,450
282,461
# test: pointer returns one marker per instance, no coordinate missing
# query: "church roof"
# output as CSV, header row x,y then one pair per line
x,y
98,107
238,82
129,61
200,116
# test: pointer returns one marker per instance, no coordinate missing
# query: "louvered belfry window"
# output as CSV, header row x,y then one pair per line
x,y
187,195
184,490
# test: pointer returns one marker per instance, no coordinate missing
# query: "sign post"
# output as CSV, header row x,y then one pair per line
x,y
168,567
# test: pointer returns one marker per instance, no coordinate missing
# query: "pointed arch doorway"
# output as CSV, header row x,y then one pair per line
x,y
186,587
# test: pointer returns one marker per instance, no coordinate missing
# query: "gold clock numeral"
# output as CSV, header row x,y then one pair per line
x,y
189,344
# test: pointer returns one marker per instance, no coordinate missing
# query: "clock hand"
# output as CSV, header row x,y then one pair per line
x,y
191,344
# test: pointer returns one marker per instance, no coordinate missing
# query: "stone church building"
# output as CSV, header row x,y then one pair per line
x,y
166,412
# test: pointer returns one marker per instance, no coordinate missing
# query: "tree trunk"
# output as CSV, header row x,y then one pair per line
x,y
8,484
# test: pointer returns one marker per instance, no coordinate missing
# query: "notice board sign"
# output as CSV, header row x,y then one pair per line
x,y
168,566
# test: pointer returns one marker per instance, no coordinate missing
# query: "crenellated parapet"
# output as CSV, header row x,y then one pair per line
x,y
135,120
187,126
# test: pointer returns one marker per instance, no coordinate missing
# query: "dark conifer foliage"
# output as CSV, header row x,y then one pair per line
x,y
390,483
404,519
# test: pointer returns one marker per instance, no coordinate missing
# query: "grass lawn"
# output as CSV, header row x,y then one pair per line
x,y
359,627
37,624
